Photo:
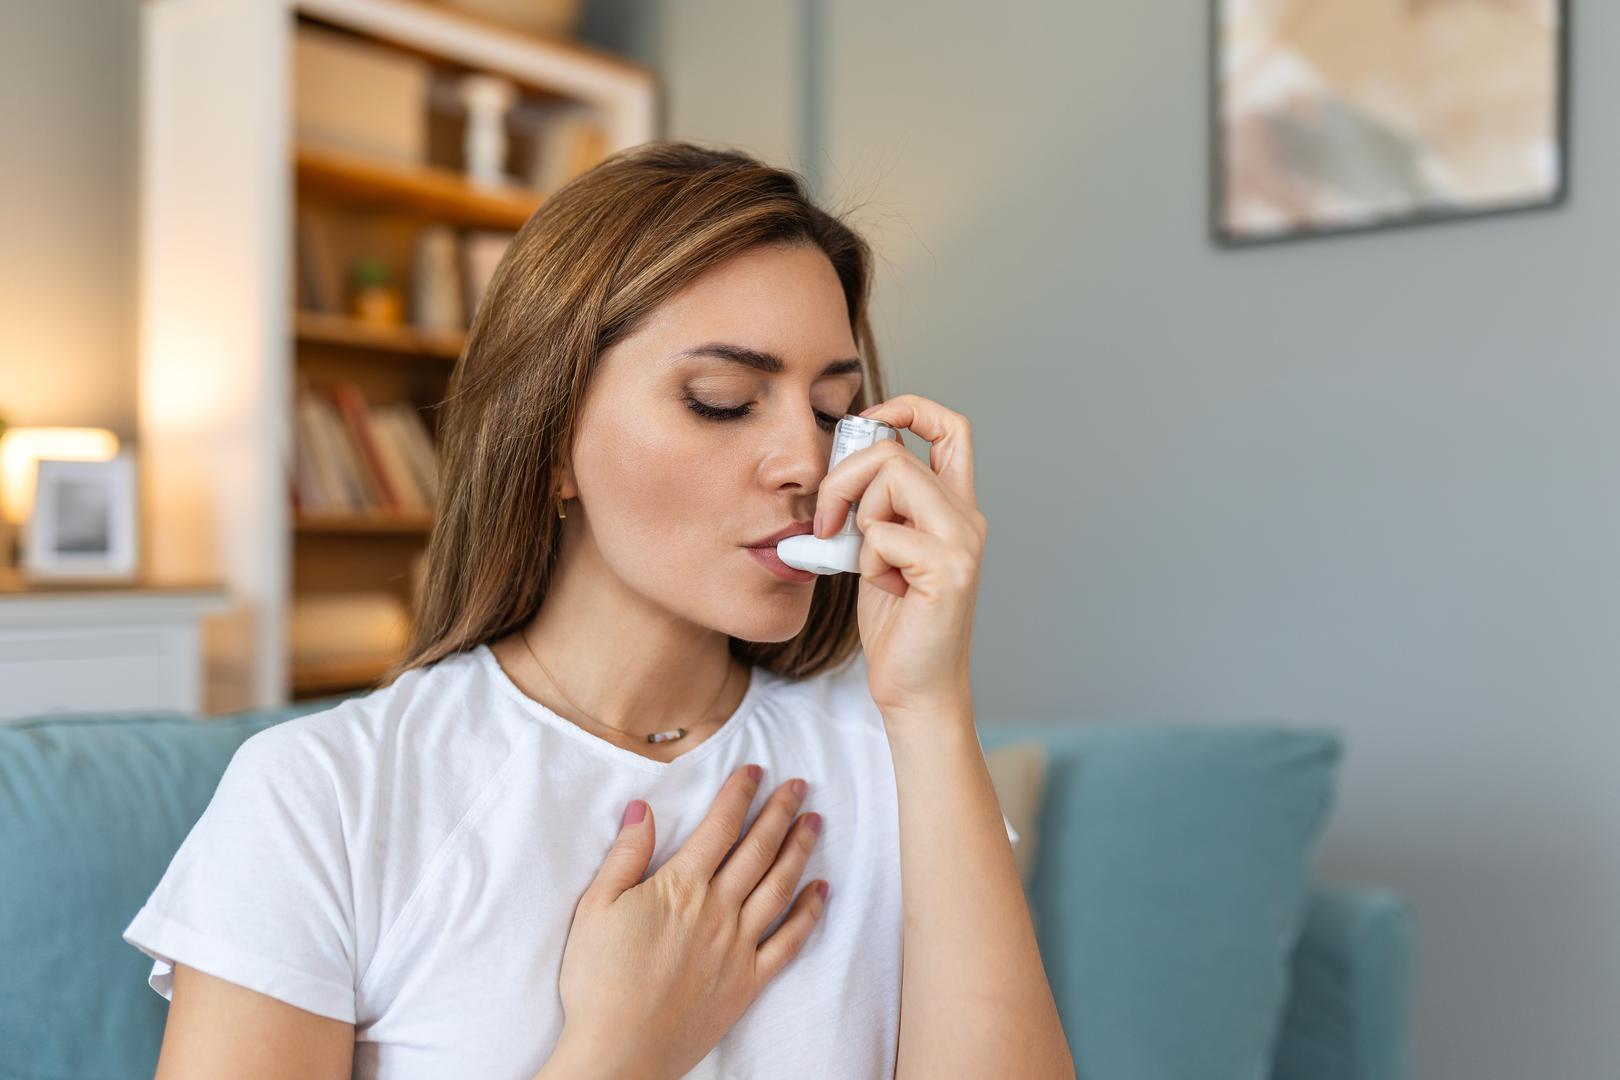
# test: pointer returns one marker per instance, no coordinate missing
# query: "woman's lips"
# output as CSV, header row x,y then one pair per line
x,y
767,557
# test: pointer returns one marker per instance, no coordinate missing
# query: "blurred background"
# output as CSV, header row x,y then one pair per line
x,y
1289,350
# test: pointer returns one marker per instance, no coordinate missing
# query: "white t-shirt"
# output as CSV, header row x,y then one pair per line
x,y
409,861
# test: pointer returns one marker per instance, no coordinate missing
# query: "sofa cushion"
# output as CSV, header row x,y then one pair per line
x,y
94,807
1348,1006
1171,886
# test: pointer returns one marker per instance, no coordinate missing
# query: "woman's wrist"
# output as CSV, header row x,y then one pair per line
x,y
578,1057
573,1060
953,713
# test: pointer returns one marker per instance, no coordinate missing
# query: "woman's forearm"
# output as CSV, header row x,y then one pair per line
x,y
974,998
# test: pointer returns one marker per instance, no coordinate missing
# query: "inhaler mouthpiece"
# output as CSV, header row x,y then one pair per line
x,y
841,552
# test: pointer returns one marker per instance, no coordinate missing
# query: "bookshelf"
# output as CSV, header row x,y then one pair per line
x,y
252,230
433,192
363,523
316,328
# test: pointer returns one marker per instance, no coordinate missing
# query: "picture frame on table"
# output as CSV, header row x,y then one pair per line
x,y
84,523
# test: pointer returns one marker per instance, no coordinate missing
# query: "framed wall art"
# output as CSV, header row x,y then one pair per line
x,y
1333,116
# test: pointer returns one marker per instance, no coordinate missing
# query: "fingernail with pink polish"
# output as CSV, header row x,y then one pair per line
x,y
633,814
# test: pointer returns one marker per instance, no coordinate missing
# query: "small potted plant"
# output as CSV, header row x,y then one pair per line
x,y
375,298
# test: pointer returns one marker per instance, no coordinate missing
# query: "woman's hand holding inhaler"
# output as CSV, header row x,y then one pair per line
x,y
655,972
922,547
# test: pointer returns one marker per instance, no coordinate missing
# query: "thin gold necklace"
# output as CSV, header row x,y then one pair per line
x,y
654,737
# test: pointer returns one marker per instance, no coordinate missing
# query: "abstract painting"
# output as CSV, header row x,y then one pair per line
x,y
1332,116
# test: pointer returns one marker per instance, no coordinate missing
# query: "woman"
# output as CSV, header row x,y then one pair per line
x,y
566,838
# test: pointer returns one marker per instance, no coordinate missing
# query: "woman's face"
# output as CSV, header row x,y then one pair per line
x,y
671,498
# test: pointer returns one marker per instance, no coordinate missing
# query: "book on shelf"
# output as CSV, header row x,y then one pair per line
x,y
351,406
353,457
414,448
323,482
319,278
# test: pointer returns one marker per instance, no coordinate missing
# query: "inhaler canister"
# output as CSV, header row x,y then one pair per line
x,y
841,552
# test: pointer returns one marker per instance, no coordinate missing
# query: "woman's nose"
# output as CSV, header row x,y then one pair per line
x,y
799,455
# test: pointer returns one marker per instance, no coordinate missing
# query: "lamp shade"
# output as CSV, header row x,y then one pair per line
x,y
21,448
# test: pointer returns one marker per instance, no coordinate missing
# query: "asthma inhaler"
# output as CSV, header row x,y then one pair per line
x,y
841,552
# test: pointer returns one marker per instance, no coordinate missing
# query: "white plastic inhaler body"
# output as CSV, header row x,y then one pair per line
x,y
841,552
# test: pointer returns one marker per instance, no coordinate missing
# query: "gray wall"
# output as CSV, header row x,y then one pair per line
x,y
1371,483
68,144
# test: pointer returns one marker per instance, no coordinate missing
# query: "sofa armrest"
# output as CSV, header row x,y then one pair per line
x,y
1351,989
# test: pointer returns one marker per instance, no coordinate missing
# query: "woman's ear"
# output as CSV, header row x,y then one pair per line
x,y
566,488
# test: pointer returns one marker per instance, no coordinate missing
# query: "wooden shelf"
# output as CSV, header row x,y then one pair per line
x,y
470,39
14,581
383,523
335,676
424,189
340,330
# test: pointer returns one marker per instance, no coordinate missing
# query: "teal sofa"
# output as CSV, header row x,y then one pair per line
x,y
1179,924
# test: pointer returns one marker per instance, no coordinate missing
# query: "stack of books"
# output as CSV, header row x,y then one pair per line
x,y
354,458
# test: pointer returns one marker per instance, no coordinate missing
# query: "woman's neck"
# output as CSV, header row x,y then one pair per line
x,y
622,662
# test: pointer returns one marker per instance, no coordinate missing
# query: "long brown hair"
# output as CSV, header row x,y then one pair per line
x,y
584,270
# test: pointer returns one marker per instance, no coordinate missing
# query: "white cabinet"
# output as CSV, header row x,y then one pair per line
x,y
102,649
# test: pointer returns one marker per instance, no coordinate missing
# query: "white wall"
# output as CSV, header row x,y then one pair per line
x,y
1371,483
67,212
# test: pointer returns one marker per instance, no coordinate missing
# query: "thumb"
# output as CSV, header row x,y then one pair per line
x,y
626,861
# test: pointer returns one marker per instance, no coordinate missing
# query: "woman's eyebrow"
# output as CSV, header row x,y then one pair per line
x,y
762,361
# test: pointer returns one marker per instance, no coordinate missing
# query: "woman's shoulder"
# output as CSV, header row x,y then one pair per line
x,y
383,777
318,833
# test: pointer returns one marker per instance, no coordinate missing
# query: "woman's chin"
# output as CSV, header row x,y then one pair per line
x,y
771,615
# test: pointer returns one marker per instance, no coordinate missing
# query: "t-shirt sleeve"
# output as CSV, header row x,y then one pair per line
x,y
1012,833
259,893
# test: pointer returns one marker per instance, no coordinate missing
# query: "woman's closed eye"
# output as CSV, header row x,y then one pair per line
x,y
717,412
